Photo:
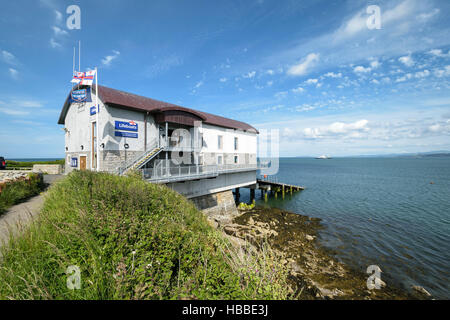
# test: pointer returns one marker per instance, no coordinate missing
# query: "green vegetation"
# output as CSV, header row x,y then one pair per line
x,y
24,164
131,240
19,190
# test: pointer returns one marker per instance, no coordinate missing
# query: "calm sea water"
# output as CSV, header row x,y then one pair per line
x,y
381,211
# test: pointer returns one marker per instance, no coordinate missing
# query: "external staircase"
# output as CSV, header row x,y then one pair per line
x,y
153,149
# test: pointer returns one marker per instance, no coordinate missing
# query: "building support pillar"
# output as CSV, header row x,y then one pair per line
x,y
238,195
252,195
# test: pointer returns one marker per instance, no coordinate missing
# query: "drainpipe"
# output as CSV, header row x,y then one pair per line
x,y
145,134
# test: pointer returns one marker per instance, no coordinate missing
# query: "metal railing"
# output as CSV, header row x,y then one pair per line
x,y
154,143
176,173
162,173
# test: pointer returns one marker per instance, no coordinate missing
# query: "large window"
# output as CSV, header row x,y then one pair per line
x,y
219,160
236,144
236,159
220,142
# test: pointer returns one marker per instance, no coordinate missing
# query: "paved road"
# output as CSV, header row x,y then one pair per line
x,y
19,216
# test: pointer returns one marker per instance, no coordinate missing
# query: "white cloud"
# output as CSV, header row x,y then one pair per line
x,y
311,81
442,72
27,103
108,59
303,67
223,79
298,90
270,72
59,32
361,69
250,75
14,73
13,112
422,74
58,16
439,53
333,75
428,15
8,57
269,83
357,129
199,84
407,61
54,44
375,64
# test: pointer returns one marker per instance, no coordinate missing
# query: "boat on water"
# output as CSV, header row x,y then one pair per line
x,y
323,157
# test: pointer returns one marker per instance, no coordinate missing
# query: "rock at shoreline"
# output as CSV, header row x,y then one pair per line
x,y
421,290
313,271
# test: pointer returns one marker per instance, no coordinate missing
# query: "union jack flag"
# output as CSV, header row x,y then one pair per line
x,y
84,78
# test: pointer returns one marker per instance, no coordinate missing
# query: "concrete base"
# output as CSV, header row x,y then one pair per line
x,y
219,207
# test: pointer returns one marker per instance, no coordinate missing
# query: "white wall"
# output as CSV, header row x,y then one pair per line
x,y
247,142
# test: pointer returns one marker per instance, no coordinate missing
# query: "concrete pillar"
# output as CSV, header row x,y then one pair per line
x,y
252,195
282,191
238,195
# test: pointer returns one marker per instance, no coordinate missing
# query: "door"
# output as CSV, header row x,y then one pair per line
x,y
82,162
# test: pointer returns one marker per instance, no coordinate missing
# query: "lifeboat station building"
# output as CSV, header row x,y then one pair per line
x,y
193,152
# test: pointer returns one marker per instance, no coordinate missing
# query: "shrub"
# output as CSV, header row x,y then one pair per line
x,y
19,190
131,240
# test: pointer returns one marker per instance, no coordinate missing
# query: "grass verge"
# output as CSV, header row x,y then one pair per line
x,y
29,164
131,240
19,190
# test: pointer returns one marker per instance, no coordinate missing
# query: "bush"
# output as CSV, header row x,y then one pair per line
x,y
29,164
131,240
19,190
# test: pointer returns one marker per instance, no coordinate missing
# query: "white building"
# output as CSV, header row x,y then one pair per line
x,y
193,152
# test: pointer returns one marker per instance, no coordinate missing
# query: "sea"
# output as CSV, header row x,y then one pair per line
x,y
389,212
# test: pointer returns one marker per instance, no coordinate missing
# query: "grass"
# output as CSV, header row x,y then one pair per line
x,y
19,190
25,164
131,240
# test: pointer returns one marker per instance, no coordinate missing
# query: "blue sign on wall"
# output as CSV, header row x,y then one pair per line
x,y
125,134
93,111
81,95
74,162
126,126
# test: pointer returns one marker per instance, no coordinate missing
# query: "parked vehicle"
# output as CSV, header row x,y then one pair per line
x,y
2,163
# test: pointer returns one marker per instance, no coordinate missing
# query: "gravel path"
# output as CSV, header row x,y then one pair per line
x,y
19,216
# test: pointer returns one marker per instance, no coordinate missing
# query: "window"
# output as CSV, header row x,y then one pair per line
x,y
219,160
220,142
235,143
236,159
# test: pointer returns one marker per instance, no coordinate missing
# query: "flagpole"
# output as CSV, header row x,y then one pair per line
x,y
97,107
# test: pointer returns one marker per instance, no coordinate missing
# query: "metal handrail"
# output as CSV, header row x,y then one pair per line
x,y
149,148
162,172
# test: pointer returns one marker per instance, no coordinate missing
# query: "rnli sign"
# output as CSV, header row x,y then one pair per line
x,y
126,134
93,110
126,126
81,95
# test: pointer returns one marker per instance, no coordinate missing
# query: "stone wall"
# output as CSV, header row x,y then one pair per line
x,y
48,168
219,207
110,160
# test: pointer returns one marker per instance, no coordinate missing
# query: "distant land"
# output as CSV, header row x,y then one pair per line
x,y
440,153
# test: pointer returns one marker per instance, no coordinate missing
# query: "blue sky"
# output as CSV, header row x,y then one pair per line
x,y
311,69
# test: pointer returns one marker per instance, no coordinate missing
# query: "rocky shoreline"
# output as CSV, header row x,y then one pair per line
x,y
314,273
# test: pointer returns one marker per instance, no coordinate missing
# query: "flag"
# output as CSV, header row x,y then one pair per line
x,y
84,78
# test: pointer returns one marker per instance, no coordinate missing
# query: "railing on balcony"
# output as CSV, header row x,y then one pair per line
x,y
164,174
